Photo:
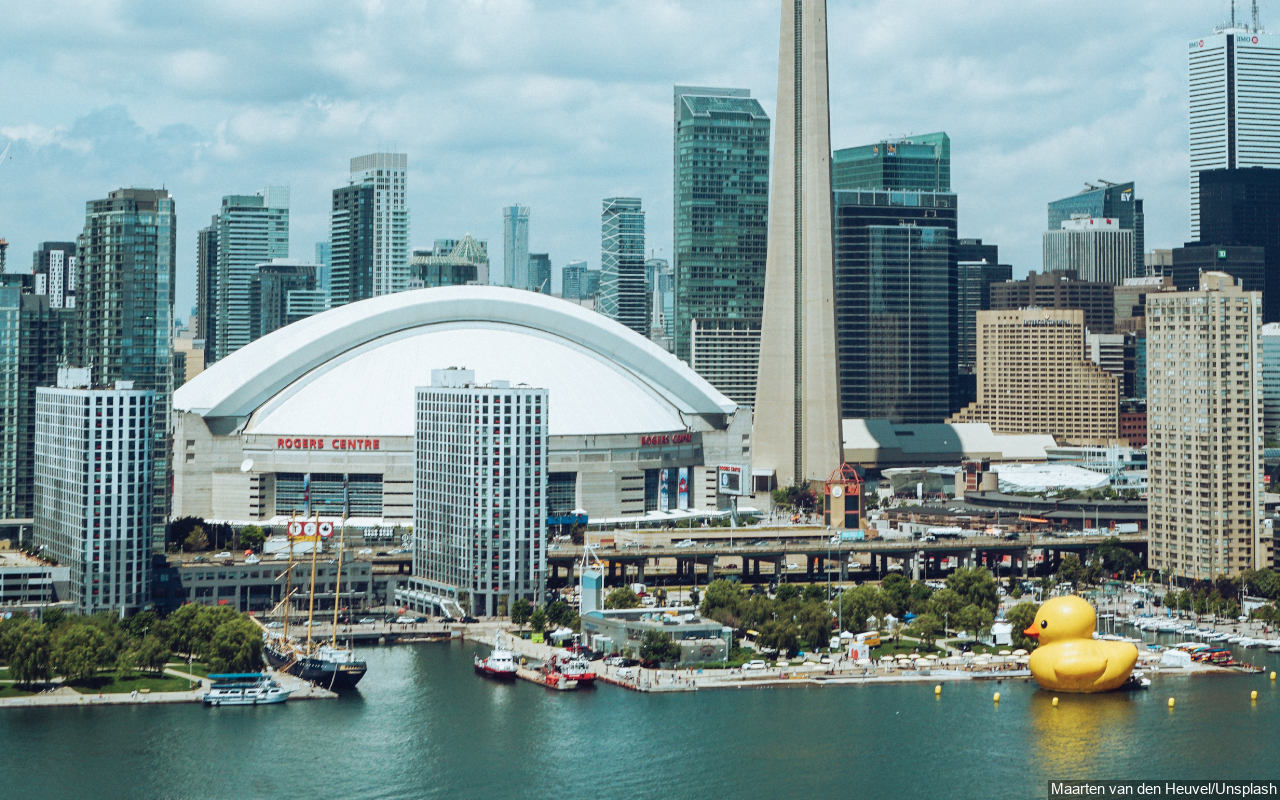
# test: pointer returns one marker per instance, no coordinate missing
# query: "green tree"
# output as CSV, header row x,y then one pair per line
x,y
722,601
559,614
975,586
538,621
814,620
787,591
896,591
1071,570
1020,617
659,647
813,591
1118,559
859,604
621,597
196,541
974,619
152,654
945,603
236,646
137,626
78,652
252,537
926,627
520,611
781,635
30,653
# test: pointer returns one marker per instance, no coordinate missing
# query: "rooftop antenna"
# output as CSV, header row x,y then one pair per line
x,y
1256,27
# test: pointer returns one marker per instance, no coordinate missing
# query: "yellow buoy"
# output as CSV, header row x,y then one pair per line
x,y
1253,695
1055,702
1170,702
1273,674
995,698
937,690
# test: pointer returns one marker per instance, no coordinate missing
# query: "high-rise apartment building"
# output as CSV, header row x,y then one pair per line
x,y
1033,376
10,404
54,267
251,230
895,275
124,308
515,248
1242,207
275,292
1204,430
1271,384
795,431
323,258
480,491
919,163
93,489
622,290
721,219
1095,248
1117,202
1234,118
659,286
369,230
1060,290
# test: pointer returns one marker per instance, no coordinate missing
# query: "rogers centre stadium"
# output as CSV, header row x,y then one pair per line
x,y
325,406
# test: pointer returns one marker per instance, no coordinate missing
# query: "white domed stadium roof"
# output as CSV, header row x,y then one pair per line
x,y
352,370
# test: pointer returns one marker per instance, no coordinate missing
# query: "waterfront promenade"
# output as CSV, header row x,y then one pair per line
x,y
62,695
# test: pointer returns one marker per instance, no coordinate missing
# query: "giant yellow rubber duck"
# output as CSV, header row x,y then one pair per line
x,y
1069,659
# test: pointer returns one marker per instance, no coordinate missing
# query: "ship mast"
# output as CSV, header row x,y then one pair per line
x,y
337,581
288,575
311,604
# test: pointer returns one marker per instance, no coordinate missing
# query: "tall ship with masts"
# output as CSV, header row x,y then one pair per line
x,y
330,664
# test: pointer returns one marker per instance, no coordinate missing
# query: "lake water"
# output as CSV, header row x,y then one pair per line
x,y
423,725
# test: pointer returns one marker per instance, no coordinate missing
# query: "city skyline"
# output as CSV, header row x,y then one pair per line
x,y
1027,118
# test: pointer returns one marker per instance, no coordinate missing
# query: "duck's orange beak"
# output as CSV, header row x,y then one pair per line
x,y
1032,631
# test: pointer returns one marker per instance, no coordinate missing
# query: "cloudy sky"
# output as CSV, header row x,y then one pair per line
x,y
559,103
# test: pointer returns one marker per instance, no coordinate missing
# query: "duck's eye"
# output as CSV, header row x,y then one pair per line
x,y
1044,623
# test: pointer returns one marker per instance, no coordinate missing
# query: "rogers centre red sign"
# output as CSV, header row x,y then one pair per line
x,y
666,438
335,443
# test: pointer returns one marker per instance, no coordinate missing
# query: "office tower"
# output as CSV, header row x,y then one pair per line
x,y
1060,290
974,251
54,267
573,279
207,282
1116,202
896,315
451,262
622,295
659,285
480,491
721,228
124,305
796,427
252,229
1097,250
515,248
591,287
1271,384
272,294
1034,377
369,230
1157,262
93,489
1242,207
323,258
1131,299
1204,430
973,294
1234,119
920,163
1248,265
540,272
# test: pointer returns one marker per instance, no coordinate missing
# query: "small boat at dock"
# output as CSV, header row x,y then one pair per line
x,y
244,689
500,665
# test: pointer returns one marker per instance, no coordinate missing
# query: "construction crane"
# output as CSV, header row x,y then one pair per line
x,y
4,245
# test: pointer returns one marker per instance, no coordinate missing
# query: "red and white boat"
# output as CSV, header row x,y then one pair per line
x,y
500,664
576,668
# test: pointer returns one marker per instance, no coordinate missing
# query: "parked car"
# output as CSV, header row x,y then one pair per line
x,y
468,619
447,619
365,551
274,625
224,554
367,620
755,663
685,543
405,620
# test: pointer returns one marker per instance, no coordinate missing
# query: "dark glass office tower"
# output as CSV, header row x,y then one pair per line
x,y
1242,207
721,226
351,233
921,163
1117,201
895,279
622,294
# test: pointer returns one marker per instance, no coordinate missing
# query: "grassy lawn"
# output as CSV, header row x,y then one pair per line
x,y
900,646
114,683
9,690
197,667
4,673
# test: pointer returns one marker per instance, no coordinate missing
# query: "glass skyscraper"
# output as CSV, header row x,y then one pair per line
x,y
1118,201
124,303
515,248
252,229
721,226
622,295
920,163
895,283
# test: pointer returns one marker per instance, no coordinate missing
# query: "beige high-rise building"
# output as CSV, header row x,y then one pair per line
x,y
1034,377
796,429
1204,429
